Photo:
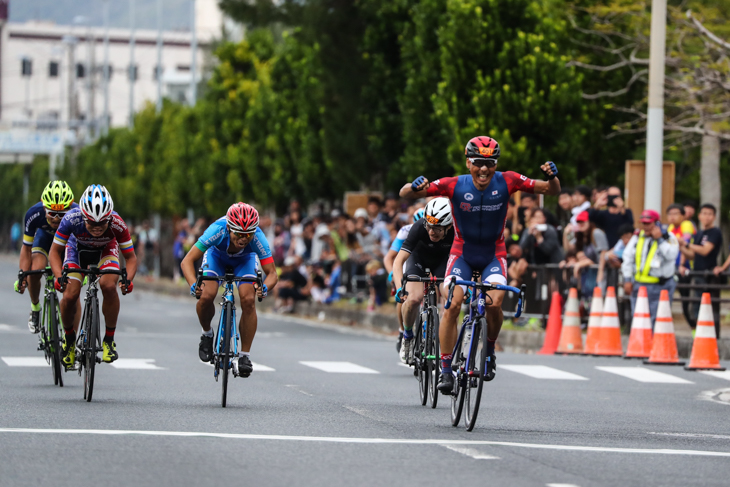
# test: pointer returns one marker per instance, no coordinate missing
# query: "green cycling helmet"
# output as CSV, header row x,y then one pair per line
x,y
57,196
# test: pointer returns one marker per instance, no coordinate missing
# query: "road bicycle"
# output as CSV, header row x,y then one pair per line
x,y
227,337
425,351
88,342
469,362
49,338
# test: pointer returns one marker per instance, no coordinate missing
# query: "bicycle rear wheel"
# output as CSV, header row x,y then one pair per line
x,y
475,372
225,361
91,346
54,344
432,356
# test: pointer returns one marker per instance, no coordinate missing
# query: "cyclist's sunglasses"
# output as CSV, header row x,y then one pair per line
x,y
94,224
241,234
481,162
435,228
55,214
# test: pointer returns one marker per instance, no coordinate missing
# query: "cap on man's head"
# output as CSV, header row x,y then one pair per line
x,y
361,213
649,216
582,216
290,260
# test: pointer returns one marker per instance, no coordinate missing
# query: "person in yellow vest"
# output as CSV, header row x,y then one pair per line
x,y
650,260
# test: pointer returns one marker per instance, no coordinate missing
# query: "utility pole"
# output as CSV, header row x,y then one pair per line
x,y
106,70
131,71
655,116
194,53
90,83
70,41
159,56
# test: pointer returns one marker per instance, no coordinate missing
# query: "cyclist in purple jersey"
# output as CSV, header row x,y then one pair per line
x,y
479,204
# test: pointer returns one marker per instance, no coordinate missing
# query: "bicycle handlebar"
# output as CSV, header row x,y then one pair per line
x,y
229,278
93,271
422,279
488,287
23,274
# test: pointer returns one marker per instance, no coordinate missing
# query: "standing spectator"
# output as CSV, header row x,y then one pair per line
x,y
281,242
704,252
615,256
565,207
589,245
690,209
390,211
379,292
540,242
178,246
649,260
149,244
16,231
581,201
613,217
516,263
685,230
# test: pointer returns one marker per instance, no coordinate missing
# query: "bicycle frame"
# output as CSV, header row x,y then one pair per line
x,y
227,297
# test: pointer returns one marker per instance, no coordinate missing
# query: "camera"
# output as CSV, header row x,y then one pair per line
x,y
541,227
612,200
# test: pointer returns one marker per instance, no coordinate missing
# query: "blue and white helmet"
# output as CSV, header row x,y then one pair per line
x,y
418,214
96,203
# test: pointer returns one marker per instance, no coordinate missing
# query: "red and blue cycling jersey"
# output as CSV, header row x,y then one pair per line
x,y
480,216
73,224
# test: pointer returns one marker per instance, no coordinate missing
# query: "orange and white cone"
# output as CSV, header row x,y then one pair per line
x,y
664,346
640,339
594,322
571,338
609,340
704,348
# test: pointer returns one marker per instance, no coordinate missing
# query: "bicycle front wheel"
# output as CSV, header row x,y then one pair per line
x,y
419,362
475,372
225,360
432,356
91,346
457,399
54,325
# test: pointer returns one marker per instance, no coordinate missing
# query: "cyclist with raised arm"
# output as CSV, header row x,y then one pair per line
x,y
41,222
479,204
388,263
92,234
427,246
234,240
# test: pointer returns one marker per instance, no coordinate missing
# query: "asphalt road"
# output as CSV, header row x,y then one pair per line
x,y
160,422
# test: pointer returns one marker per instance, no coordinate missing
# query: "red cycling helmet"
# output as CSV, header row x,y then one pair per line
x,y
242,218
481,147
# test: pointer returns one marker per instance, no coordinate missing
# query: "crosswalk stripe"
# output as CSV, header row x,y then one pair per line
x,y
5,327
721,374
25,361
340,367
642,374
136,363
542,372
257,367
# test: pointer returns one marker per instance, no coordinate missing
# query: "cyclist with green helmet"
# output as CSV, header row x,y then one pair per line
x,y
41,222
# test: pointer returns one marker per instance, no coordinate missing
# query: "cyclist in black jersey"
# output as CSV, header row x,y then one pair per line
x,y
427,246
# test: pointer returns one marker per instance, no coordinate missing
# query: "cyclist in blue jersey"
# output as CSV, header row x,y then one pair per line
x,y
388,263
234,240
479,204
41,222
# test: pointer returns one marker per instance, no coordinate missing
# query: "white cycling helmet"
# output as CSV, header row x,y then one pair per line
x,y
438,212
96,203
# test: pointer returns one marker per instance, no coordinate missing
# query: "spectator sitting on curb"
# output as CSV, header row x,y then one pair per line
x,y
292,287
615,214
649,260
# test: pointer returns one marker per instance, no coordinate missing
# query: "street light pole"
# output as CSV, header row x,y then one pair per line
x,y
655,115
106,71
159,56
130,70
194,53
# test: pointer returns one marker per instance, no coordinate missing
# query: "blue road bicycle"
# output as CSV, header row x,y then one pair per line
x,y
469,362
227,337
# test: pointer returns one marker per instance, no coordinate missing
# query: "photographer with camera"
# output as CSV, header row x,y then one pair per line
x,y
613,217
540,241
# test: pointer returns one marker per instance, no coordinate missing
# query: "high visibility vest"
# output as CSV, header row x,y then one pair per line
x,y
642,274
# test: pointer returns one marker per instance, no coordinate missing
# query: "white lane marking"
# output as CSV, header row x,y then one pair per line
x,y
470,452
136,363
257,367
270,334
25,361
542,372
364,413
4,327
719,396
299,389
561,485
642,374
369,441
692,435
404,365
722,374
340,367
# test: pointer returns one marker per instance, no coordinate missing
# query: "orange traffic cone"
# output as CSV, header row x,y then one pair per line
x,y
594,322
552,333
704,348
571,339
609,339
640,338
664,346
